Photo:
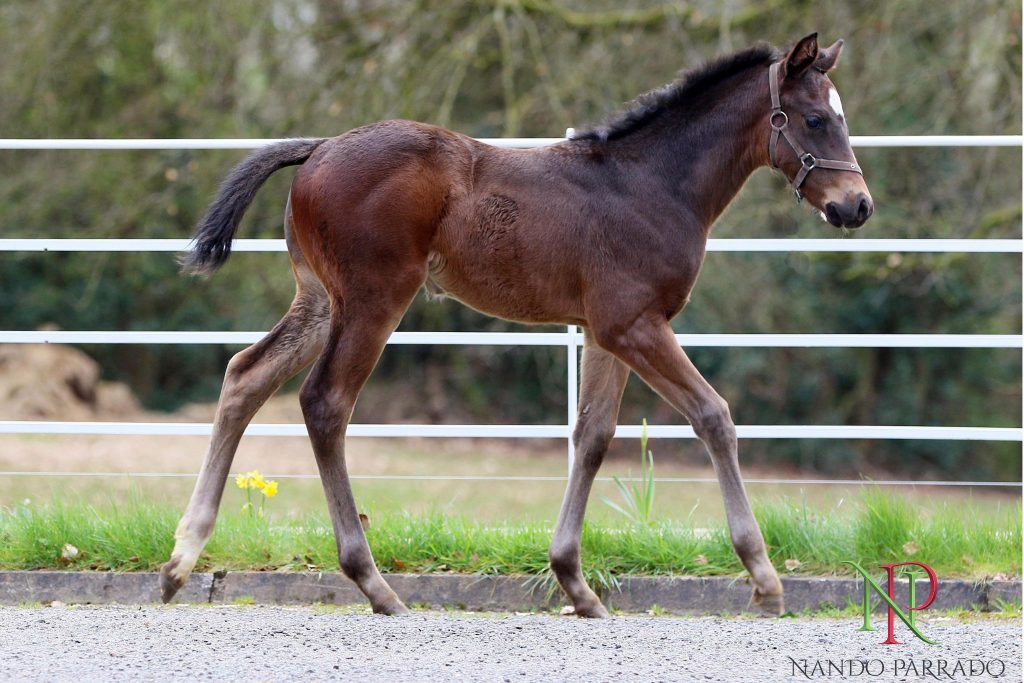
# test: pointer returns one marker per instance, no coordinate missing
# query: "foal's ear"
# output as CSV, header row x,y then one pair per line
x,y
802,56
829,57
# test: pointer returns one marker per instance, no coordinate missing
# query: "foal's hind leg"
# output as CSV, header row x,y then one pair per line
x,y
603,380
650,349
360,325
252,376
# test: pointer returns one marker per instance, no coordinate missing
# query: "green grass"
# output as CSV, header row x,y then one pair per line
x,y
488,501
872,530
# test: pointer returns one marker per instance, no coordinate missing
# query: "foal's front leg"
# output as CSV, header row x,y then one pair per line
x,y
650,348
603,379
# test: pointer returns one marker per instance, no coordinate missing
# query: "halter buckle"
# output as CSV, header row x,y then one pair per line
x,y
808,161
780,126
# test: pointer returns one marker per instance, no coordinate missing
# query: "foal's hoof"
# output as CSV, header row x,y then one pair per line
x,y
767,605
392,609
168,584
595,611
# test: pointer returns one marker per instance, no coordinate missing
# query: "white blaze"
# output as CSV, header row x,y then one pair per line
x,y
835,102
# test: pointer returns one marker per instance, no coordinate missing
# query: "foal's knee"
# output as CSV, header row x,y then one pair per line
x,y
712,423
591,440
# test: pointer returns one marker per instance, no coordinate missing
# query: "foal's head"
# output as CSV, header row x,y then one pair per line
x,y
812,147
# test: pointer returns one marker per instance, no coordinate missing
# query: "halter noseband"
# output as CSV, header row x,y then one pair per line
x,y
808,162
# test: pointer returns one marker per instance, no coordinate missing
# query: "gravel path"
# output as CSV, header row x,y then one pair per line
x,y
283,644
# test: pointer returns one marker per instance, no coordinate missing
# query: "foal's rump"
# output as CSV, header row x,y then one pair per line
x,y
383,170
372,199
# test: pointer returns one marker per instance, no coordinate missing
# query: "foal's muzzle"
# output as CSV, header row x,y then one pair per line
x,y
850,214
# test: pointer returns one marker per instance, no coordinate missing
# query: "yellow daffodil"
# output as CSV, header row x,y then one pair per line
x,y
256,480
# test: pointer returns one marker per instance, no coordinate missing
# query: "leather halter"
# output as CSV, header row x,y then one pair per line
x,y
808,162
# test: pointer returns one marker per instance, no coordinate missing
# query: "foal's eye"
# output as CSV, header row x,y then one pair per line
x,y
813,121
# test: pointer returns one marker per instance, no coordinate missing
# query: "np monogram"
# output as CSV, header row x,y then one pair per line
x,y
889,596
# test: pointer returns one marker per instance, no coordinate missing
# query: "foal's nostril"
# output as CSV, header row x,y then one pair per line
x,y
864,209
832,214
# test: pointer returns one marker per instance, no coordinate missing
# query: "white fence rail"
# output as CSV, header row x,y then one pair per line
x,y
571,339
918,246
451,431
519,143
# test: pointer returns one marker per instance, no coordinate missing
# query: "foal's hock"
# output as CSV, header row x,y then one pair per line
x,y
606,230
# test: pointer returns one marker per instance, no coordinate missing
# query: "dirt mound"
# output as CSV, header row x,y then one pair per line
x,y
55,382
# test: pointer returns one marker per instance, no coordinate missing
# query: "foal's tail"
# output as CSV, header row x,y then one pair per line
x,y
211,242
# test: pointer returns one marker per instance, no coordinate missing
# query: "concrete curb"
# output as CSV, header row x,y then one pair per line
x,y
681,595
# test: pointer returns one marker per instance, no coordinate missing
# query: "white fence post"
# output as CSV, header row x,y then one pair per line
x,y
572,390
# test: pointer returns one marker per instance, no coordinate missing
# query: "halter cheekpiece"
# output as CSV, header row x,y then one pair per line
x,y
808,162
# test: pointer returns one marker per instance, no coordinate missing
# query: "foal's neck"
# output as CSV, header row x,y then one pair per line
x,y
707,152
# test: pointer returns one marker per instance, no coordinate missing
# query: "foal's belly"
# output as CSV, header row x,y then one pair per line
x,y
502,289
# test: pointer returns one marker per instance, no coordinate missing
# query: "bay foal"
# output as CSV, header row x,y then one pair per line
x,y
606,231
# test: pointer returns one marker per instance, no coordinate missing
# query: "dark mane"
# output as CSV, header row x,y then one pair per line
x,y
687,86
